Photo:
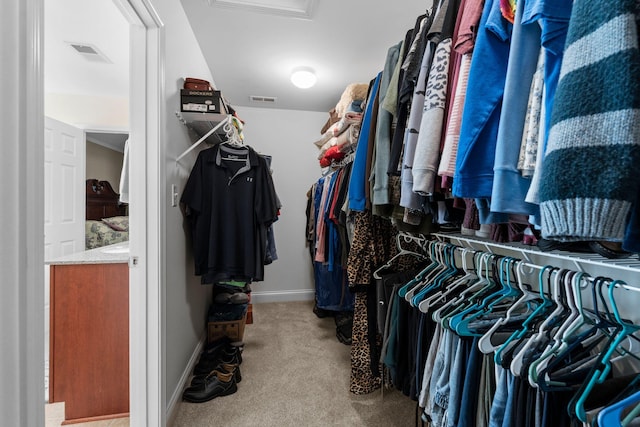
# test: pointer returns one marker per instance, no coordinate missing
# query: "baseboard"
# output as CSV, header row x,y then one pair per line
x,y
282,296
176,398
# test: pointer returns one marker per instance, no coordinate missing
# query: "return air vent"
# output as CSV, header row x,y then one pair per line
x,y
89,52
263,99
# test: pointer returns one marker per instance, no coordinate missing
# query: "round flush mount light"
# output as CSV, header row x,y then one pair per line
x,y
303,77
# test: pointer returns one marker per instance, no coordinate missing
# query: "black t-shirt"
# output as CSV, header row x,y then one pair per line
x,y
230,201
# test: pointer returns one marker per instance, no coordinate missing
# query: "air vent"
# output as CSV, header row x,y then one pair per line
x,y
263,99
84,49
89,52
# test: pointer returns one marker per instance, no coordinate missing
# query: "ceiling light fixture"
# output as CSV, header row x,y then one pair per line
x,y
303,77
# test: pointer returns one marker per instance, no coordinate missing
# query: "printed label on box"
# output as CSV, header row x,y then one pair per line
x,y
195,107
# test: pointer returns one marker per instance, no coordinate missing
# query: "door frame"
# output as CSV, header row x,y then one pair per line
x,y
146,239
146,321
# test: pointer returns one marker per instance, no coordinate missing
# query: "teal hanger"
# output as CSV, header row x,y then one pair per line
x,y
420,276
427,279
526,303
466,274
603,367
454,296
481,299
537,312
469,297
506,292
439,281
517,364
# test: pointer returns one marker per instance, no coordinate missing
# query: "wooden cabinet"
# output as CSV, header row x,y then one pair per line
x,y
89,341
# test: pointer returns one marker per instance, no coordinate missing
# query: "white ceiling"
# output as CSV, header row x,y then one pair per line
x,y
249,52
96,22
253,53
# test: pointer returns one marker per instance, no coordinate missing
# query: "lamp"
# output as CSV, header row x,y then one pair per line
x,y
303,77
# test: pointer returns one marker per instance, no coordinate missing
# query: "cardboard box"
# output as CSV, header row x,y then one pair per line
x,y
201,101
233,329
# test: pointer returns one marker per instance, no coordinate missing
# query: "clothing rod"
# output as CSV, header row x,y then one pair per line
x,y
532,266
206,135
628,264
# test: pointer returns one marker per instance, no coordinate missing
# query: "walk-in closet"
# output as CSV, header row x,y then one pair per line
x,y
417,213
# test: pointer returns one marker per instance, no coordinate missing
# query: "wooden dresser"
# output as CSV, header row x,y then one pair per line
x,y
89,340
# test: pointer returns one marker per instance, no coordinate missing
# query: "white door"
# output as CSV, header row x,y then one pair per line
x,y
64,189
64,203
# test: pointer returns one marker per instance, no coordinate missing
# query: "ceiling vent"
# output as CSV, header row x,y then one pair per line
x,y
295,8
89,52
263,99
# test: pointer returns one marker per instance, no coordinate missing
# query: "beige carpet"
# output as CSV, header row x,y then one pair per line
x,y
296,373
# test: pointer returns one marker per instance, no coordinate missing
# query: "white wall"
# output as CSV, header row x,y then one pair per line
x,y
104,164
185,299
288,137
88,112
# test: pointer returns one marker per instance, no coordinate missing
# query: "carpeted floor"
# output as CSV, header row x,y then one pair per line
x,y
296,373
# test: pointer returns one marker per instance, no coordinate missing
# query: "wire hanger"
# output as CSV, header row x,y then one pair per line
x,y
232,132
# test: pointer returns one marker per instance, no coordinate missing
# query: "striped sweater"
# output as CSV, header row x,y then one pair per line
x,y
591,177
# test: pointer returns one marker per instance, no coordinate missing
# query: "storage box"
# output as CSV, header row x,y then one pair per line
x,y
233,329
201,101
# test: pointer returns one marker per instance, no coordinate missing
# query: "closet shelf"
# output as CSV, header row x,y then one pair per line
x,y
208,126
579,260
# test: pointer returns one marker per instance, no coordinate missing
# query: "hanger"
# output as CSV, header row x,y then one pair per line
x,y
535,315
611,416
571,328
232,133
486,342
400,237
485,286
475,283
603,367
536,345
437,283
578,353
470,275
421,275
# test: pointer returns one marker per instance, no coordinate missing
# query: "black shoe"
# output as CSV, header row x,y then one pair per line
x,y
214,349
227,368
215,384
209,361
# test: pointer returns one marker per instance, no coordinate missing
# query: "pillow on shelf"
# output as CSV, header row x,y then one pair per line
x,y
118,223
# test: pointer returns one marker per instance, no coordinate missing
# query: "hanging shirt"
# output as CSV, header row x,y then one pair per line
x,y
230,201
483,103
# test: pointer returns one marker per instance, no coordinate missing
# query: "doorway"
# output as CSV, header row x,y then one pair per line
x,y
146,403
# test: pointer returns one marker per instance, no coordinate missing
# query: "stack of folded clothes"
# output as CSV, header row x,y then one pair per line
x,y
340,134
217,373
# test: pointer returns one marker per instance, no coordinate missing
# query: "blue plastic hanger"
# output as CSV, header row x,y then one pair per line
x,y
611,416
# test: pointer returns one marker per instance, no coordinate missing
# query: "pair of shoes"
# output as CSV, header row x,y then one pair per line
x,y
215,384
230,353
227,368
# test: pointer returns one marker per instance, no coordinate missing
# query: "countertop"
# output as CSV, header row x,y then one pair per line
x,y
113,254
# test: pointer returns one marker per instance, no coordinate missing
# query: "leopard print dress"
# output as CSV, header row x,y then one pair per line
x,y
373,244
